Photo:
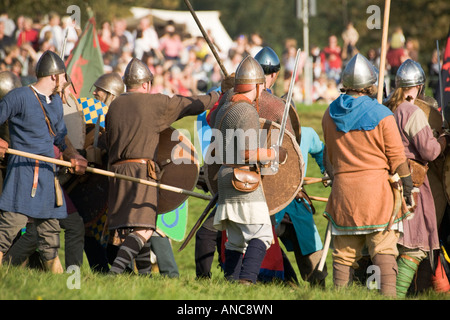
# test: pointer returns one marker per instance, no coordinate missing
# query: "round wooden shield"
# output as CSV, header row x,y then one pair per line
x,y
433,115
179,165
281,188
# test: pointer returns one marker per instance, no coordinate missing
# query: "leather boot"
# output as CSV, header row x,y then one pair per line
x,y
54,266
407,267
253,258
388,269
342,275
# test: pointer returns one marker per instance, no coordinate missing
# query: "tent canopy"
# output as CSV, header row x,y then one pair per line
x,y
209,20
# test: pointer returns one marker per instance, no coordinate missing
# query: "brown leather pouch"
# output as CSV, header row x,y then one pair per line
x,y
418,172
245,180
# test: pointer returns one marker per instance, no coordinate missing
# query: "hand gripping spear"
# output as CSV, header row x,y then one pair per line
x,y
110,174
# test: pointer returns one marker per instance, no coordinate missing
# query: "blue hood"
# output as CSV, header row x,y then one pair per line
x,y
363,113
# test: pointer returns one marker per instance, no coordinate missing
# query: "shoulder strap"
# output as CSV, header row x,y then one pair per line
x,y
47,120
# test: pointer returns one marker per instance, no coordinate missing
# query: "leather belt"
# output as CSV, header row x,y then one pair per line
x,y
141,161
152,168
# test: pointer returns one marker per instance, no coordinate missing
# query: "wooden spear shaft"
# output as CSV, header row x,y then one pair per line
x,y
387,9
109,174
205,35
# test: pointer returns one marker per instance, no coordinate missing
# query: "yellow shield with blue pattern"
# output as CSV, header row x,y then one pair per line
x,y
92,109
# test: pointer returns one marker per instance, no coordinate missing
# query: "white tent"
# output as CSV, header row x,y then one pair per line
x,y
209,20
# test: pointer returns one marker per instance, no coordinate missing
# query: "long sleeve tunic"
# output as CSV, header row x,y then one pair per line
x,y
420,145
361,197
133,125
29,132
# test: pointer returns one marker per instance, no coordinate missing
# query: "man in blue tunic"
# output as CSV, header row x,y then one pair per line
x,y
31,189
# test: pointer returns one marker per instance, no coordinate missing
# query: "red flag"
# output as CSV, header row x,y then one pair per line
x,y
85,63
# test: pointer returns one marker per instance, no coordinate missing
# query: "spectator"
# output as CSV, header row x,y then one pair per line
x,y
5,40
316,62
373,57
9,24
170,44
54,27
433,74
28,34
332,57
255,43
105,37
19,27
240,45
70,27
320,88
350,37
146,39
396,53
412,48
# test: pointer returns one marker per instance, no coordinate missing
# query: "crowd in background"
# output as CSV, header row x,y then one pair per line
x,y
183,64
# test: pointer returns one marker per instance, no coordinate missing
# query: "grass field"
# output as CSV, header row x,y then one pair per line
x,y
24,284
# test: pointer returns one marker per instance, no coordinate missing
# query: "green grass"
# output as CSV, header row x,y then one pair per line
x,y
24,284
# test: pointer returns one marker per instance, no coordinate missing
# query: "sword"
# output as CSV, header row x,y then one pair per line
x,y
200,221
273,169
110,174
205,35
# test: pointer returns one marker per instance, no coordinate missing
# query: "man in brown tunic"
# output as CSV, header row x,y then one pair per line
x,y
133,124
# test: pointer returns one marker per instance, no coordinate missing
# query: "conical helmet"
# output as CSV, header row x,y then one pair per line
x,y
268,60
359,73
409,74
249,73
111,83
8,81
49,64
137,72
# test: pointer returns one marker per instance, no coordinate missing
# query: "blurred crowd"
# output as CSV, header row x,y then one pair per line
x,y
183,64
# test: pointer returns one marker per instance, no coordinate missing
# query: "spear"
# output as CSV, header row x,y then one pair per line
x,y
110,174
387,8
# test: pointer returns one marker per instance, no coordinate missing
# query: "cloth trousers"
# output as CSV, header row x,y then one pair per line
x,y
10,225
348,248
240,234
206,243
73,238
41,235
